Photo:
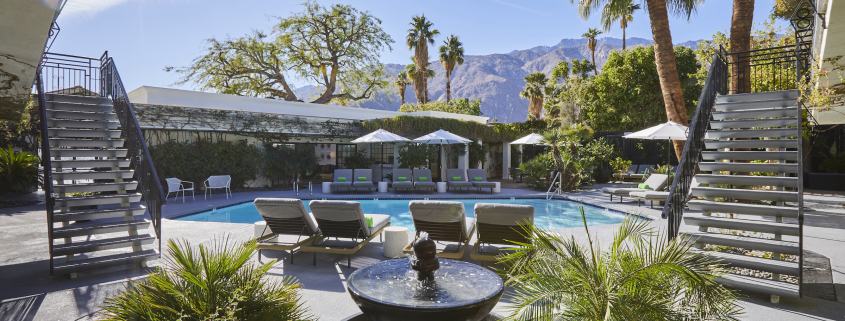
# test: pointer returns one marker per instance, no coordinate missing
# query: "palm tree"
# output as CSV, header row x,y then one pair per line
x,y
623,13
451,55
535,90
741,22
419,37
590,35
401,82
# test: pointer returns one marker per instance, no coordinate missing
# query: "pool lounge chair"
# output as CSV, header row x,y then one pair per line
x,y
402,179
627,174
655,182
478,178
457,178
444,222
642,171
342,179
290,223
363,178
499,225
346,223
654,196
422,179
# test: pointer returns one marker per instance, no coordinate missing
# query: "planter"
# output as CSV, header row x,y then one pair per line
x,y
826,182
602,175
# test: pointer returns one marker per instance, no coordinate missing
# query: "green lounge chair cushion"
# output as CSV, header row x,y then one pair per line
x,y
423,179
369,221
362,179
402,179
478,179
456,178
341,179
643,186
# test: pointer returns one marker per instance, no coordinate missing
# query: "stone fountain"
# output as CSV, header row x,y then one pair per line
x,y
425,287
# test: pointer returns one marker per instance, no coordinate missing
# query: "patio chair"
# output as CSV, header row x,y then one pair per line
x,y
499,225
655,196
363,178
444,222
627,174
175,185
457,178
402,179
342,179
422,179
655,182
343,220
219,181
642,171
478,178
289,222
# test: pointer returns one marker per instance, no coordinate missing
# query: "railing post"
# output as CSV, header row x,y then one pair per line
x,y
46,164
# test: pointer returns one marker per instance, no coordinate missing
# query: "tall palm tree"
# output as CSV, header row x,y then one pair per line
x,y
419,37
591,35
624,13
741,22
451,55
664,51
401,82
535,90
413,72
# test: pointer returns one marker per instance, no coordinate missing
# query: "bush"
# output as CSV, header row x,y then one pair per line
x,y
18,171
358,160
417,155
457,106
620,165
283,164
537,170
196,161
217,283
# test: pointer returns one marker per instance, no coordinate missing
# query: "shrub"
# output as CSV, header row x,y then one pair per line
x,y
537,170
283,164
18,171
417,155
620,165
217,283
358,160
196,161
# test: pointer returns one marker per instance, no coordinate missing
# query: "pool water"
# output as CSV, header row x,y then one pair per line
x,y
548,214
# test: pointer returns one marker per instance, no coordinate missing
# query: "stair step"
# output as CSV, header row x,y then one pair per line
x,y
751,155
95,187
769,95
94,214
742,225
103,244
749,167
105,261
85,229
752,133
83,133
745,194
751,123
80,175
745,242
756,113
87,124
97,200
86,143
88,152
747,180
753,262
751,143
741,208
101,108
81,115
760,285
87,163
757,104
77,99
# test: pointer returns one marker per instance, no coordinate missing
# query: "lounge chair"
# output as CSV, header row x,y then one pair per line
x,y
642,171
363,178
444,222
422,179
499,225
655,196
342,179
457,178
627,174
290,223
478,178
343,220
402,179
655,182
175,185
219,181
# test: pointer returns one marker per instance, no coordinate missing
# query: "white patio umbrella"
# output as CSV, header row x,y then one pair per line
x,y
381,136
530,139
441,137
669,130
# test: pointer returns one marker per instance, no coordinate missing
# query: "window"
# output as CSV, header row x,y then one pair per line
x,y
381,153
343,151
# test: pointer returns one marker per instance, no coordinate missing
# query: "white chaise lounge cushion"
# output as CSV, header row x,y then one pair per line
x,y
285,208
654,182
442,212
341,211
504,214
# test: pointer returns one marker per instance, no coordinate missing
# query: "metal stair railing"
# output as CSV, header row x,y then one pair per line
x,y
549,193
46,164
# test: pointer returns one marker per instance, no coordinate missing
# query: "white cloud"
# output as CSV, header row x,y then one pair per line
x,y
521,7
88,8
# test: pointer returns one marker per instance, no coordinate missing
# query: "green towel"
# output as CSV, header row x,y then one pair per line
x,y
362,179
402,179
341,179
369,221
456,178
643,186
422,179
478,179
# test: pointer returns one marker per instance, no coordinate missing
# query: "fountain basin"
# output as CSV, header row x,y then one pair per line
x,y
390,290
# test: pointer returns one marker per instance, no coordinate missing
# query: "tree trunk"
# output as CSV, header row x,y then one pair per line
x,y
448,86
402,95
624,25
741,24
667,70
421,81
595,67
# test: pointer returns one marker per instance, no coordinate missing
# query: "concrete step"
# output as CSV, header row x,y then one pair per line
x,y
753,262
760,285
87,163
84,124
742,225
80,115
102,244
745,242
97,200
79,265
86,143
100,108
95,187
752,133
769,95
120,153
80,175
742,208
745,194
751,143
77,99
749,167
83,215
83,133
747,180
752,123
752,155
88,228
757,104
756,113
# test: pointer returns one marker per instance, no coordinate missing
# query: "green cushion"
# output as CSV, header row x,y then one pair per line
x,y
369,221
402,179
362,179
643,186
456,178
422,179
643,172
478,179
341,179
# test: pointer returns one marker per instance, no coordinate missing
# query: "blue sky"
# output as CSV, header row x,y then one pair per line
x,y
144,36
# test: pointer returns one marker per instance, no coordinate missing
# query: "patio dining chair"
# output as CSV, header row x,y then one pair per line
x,y
219,181
175,185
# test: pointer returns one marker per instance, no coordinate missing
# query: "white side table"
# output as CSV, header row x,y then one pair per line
x,y
261,229
498,188
441,187
395,239
382,187
327,187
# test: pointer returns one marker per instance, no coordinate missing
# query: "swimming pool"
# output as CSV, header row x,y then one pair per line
x,y
548,214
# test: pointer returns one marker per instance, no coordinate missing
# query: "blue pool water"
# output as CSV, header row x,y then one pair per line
x,y
548,214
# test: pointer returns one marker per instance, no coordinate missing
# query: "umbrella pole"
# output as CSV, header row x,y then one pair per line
x,y
669,156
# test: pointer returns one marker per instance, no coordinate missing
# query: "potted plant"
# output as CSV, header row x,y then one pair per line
x,y
833,177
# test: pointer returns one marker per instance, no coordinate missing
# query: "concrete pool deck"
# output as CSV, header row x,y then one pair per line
x,y
27,292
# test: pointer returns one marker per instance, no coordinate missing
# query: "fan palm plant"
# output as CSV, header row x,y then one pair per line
x,y
618,10
591,35
451,55
18,171
412,71
401,82
639,276
535,91
564,142
419,37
